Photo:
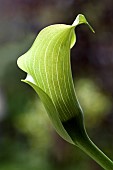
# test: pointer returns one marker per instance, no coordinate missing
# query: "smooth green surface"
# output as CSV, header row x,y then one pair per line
x,y
94,152
48,69
47,64
79,135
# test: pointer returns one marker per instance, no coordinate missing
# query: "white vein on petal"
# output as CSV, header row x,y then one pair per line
x,y
65,82
34,58
53,73
57,76
46,73
53,80
69,84
58,79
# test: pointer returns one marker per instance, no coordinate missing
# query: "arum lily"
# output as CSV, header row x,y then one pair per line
x,y
47,64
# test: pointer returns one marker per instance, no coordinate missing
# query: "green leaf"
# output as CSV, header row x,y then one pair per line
x,y
47,64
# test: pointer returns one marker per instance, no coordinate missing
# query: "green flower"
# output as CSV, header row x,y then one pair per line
x,y
48,69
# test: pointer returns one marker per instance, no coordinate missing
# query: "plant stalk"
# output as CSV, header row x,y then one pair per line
x,y
94,152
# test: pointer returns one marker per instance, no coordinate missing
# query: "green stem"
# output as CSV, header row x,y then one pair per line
x,y
76,129
94,152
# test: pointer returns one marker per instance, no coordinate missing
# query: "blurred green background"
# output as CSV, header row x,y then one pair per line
x,y
27,138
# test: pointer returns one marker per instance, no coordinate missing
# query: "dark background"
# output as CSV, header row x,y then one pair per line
x,y
27,138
